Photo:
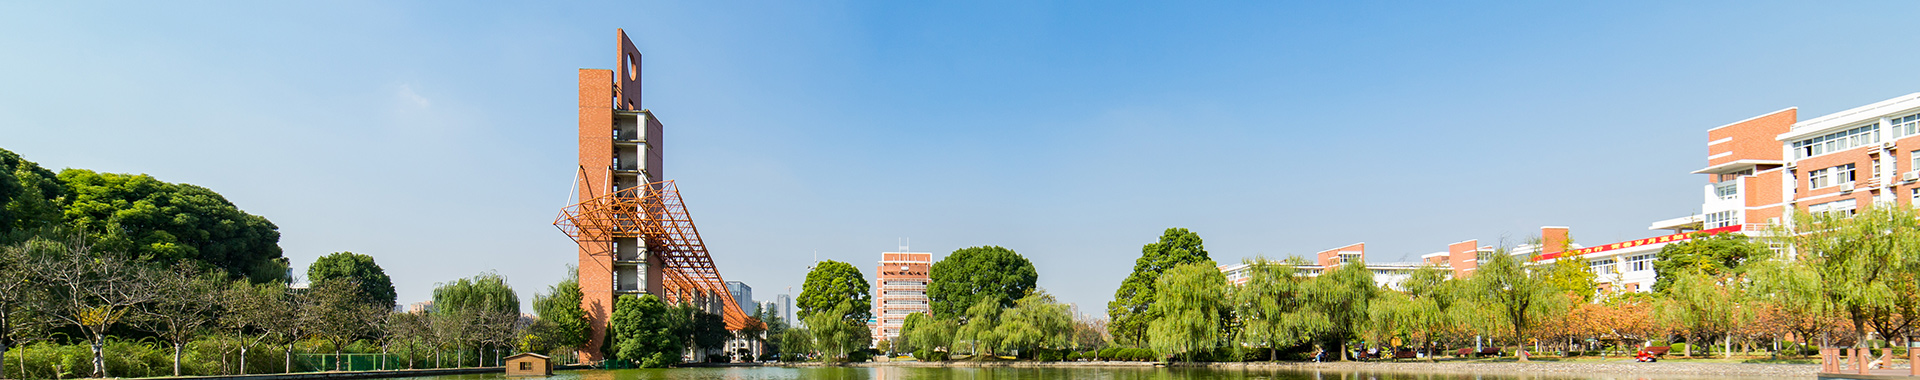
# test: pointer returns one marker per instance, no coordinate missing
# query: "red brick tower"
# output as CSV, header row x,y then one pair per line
x,y
619,149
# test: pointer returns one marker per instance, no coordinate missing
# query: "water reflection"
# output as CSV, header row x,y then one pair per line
x,y
904,373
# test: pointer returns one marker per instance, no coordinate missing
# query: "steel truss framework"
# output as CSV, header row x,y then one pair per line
x,y
654,214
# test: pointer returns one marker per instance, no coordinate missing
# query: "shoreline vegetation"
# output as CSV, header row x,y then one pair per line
x,y
1623,366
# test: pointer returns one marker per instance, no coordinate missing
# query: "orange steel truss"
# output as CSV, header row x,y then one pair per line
x,y
654,214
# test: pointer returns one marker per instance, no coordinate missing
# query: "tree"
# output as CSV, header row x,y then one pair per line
x,y
705,332
1273,307
1128,313
831,283
1518,296
980,326
1188,309
339,314
1865,265
1343,294
90,291
20,319
834,335
1036,321
929,333
561,307
1572,275
1709,254
794,342
30,198
971,273
185,301
642,332
375,287
251,312
165,222
487,302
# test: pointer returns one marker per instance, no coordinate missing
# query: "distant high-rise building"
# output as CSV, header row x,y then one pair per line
x,y
743,296
784,310
900,291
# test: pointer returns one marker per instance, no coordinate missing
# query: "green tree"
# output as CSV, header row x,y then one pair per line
x,y
1036,321
561,306
1273,307
641,331
488,307
1128,312
1188,309
980,327
30,198
1573,275
1703,306
1519,297
971,273
166,223
1865,265
1709,254
375,287
340,315
831,283
929,333
834,335
1343,294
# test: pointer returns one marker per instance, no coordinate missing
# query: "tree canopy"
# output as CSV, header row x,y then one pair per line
x,y
486,292
1128,311
375,287
561,306
30,197
831,283
166,222
1188,309
1708,254
971,273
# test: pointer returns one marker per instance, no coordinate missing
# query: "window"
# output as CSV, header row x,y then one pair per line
x,y
1727,190
1722,219
1830,176
1601,266
1905,125
526,366
1876,167
1845,206
1639,263
1916,195
1837,141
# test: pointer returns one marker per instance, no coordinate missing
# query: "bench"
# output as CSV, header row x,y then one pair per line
x,y
1405,354
1489,351
1655,351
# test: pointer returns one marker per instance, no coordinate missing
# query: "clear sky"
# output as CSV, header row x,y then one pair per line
x,y
438,137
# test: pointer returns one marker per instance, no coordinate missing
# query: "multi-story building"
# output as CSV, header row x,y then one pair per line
x,y
900,290
1762,171
743,296
783,304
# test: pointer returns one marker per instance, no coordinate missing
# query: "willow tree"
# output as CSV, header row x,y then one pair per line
x,y
1188,309
1273,307
1519,297
980,326
1866,265
1129,311
1343,294
1036,321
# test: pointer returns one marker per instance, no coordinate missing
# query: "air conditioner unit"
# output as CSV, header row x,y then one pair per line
x,y
1911,176
1886,145
1846,187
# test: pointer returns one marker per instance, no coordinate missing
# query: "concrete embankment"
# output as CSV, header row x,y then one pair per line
x,y
1541,367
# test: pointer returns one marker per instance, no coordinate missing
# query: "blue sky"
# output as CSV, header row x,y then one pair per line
x,y
438,137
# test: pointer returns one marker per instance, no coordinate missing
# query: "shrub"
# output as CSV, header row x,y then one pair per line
x,y
1073,356
1677,349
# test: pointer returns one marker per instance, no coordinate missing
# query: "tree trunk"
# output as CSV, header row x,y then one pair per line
x,y
336,357
243,358
176,358
99,357
289,353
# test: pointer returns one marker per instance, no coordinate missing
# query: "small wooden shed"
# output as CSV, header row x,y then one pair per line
x,y
529,364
